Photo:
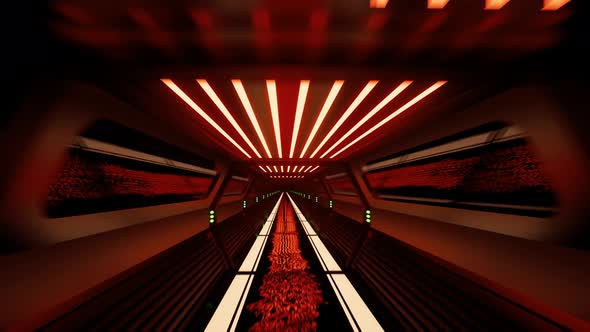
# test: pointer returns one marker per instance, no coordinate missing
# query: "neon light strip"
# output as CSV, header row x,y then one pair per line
x,y
202,113
295,169
275,168
282,170
228,312
268,168
372,113
239,87
307,169
357,312
252,259
303,88
394,114
313,169
362,95
288,167
262,168
327,104
271,87
231,301
205,85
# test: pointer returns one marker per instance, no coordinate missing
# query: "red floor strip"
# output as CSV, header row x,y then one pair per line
x,y
290,294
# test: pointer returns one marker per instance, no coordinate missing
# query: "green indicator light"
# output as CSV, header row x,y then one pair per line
x,y
211,212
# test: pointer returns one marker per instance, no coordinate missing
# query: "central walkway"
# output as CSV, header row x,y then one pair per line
x,y
291,284
290,294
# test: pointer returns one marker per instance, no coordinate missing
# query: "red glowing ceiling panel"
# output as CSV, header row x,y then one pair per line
x,y
296,120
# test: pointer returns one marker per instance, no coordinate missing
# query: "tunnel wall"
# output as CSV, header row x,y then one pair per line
x,y
506,272
562,155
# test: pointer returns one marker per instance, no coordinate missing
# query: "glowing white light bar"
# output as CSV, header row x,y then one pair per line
x,y
275,168
282,170
378,3
495,4
268,168
400,110
358,308
252,259
211,93
234,298
295,169
437,4
362,95
303,88
271,87
307,169
328,262
327,104
239,87
262,168
253,256
288,167
202,113
313,169
554,4
372,113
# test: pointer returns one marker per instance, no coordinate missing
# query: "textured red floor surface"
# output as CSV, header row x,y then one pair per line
x,y
290,294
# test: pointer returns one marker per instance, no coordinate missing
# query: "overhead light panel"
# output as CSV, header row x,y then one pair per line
x,y
211,93
239,87
495,4
202,113
437,4
303,88
378,3
371,114
554,4
271,87
327,104
400,110
362,95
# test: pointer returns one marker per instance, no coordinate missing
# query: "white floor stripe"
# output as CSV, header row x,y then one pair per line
x,y
354,307
234,298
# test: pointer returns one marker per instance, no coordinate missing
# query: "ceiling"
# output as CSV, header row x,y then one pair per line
x,y
217,54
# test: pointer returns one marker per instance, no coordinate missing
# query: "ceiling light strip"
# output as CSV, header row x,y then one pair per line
x,y
211,93
313,169
362,95
275,168
271,87
202,113
307,169
327,104
269,169
400,110
372,113
262,168
288,168
239,87
303,88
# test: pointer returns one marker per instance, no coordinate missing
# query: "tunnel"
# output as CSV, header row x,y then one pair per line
x,y
353,165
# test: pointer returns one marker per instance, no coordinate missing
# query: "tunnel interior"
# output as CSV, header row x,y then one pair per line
x,y
383,165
